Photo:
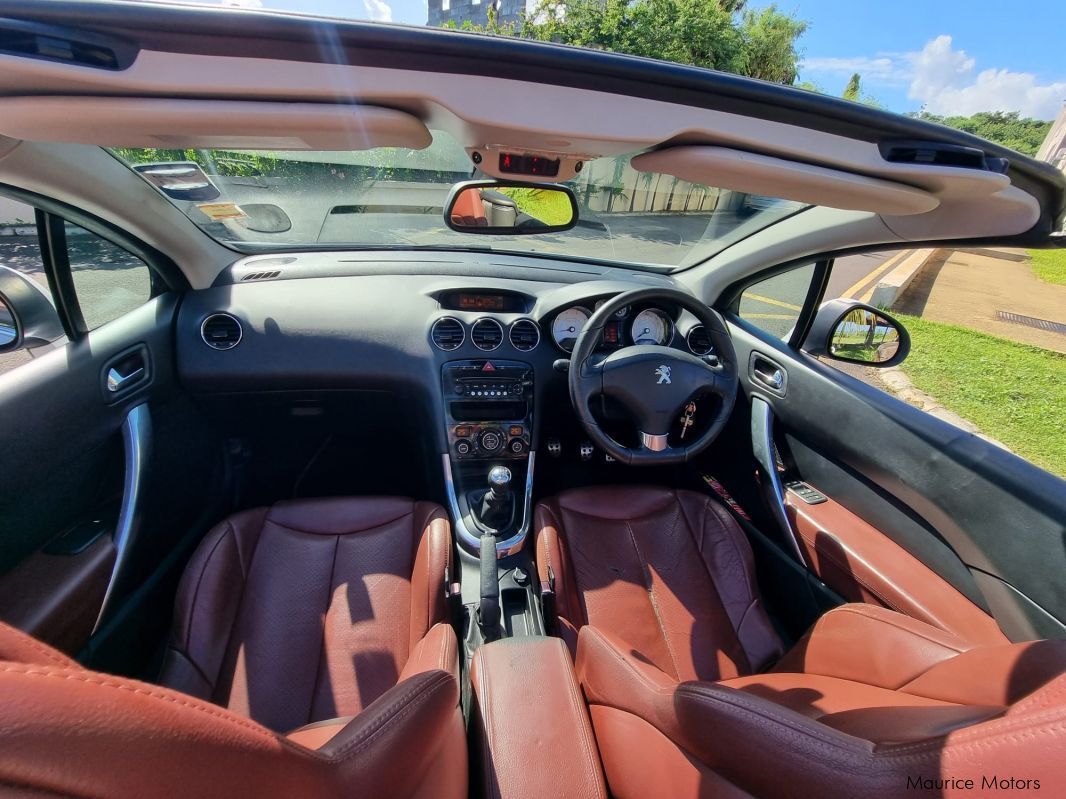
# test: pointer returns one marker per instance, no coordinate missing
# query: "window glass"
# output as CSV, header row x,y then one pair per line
x,y
988,339
108,281
774,304
20,251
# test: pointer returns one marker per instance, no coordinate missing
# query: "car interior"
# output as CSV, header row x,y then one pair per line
x,y
443,456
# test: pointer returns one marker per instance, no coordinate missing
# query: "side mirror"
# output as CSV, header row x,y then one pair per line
x,y
845,330
509,208
27,317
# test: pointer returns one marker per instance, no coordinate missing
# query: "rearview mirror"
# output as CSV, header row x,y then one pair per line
x,y
845,330
509,208
9,333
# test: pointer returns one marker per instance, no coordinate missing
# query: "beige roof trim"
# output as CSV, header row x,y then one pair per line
x,y
789,180
223,124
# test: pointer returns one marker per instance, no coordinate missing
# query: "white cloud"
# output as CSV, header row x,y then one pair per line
x,y
378,10
944,81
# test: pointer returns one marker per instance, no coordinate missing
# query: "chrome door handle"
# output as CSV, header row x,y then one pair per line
x,y
116,381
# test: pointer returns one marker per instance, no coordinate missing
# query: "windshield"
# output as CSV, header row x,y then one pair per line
x,y
394,198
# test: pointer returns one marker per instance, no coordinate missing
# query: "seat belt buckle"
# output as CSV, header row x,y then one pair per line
x,y
547,600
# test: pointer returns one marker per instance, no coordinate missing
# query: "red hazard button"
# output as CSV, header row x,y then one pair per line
x,y
488,367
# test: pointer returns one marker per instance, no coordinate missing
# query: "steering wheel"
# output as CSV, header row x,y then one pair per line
x,y
653,383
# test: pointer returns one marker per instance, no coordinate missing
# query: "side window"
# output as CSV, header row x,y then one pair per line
x,y
108,281
774,304
988,339
20,251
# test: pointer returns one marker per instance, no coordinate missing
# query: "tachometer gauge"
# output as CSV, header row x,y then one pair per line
x,y
651,326
568,325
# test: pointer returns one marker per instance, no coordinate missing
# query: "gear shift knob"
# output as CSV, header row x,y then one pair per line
x,y
500,482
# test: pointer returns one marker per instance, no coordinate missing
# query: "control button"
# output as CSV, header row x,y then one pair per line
x,y
459,389
463,448
491,440
462,431
515,430
517,446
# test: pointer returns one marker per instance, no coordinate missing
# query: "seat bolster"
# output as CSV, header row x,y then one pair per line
x,y
207,603
553,561
433,555
870,645
438,650
411,741
17,647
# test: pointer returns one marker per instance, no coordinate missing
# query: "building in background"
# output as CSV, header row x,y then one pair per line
x,y
1053,150
475,11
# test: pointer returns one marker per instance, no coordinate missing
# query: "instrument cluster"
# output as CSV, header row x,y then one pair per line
x,y
629,325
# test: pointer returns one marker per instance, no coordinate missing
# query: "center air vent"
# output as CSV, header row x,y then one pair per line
x,y
447,334
699,342
524,335
221,331
487,334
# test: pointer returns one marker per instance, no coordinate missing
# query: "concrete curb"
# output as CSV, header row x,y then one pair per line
x,y
888,288
899,385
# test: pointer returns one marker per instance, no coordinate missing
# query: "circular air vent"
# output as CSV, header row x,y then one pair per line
x,y
221,331
447,334
524,335
487,334
699,342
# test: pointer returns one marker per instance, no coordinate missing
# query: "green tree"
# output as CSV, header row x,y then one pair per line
x,y
719,34
853,91
1008,128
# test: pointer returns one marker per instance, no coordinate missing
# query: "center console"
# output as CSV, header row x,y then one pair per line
x,y
488,414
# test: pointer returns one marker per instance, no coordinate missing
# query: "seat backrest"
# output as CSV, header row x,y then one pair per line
x,y
668,572
308,610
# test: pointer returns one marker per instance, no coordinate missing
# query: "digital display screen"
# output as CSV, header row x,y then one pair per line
x,y
514,164
481,302
610,333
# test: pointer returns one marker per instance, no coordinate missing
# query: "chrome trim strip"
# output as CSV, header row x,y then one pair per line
x,y
762,442
137,444
472,542
653,442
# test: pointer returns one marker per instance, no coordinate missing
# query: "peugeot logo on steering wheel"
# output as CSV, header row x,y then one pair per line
x,y
663,373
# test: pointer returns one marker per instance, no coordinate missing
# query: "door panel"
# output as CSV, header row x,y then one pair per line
x,y
986,522
63,464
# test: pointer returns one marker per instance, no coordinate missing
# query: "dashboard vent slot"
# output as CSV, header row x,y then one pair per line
x,y
699,342
487,334
524,335
262,275
221,331
448,334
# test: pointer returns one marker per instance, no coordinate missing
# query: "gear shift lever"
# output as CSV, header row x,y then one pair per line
x,y
496,508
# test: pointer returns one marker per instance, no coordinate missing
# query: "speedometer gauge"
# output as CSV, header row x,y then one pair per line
x,y
651,326
568,325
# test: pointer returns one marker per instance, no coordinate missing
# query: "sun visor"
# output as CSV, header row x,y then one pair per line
x,y
209,124
787,180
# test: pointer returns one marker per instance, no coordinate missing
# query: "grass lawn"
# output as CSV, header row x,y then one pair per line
x,y
1012,392
1049,265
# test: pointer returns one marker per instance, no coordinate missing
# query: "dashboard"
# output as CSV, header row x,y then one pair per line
x,y
314,322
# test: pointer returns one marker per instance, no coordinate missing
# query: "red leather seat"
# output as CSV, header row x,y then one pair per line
x,y
689,694
311,657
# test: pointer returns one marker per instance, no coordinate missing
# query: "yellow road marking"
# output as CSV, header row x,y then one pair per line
x,y
772,301
895,259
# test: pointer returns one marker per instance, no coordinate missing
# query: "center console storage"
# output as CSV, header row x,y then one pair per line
x,y
531,734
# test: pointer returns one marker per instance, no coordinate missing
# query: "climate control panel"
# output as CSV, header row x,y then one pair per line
x,y
489,408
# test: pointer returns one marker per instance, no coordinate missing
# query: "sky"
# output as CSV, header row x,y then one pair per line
x,y
945,56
